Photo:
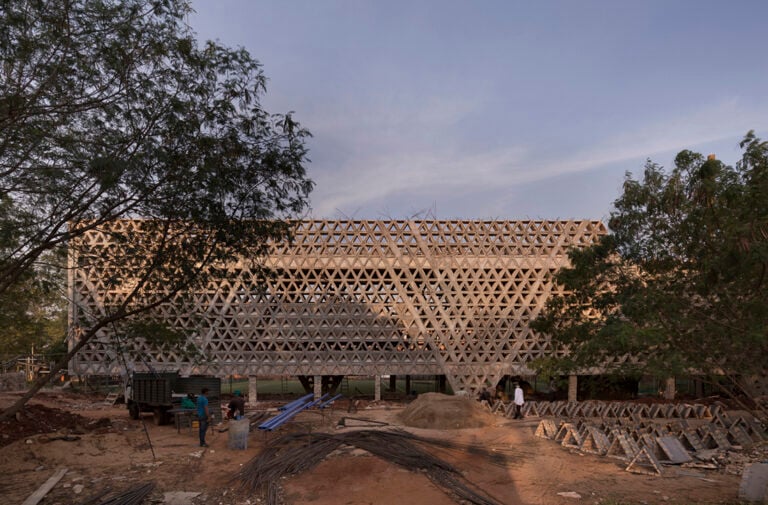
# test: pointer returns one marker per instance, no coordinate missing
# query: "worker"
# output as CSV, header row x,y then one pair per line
x,y
485,395
519,401
236,406
203,415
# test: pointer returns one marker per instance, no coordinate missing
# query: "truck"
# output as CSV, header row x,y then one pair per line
x,y
161,392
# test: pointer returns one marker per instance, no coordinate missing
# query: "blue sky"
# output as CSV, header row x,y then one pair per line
x,y
500,109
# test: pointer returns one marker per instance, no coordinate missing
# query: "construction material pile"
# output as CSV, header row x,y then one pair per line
x,y
443,412
296,453
38,419
134,495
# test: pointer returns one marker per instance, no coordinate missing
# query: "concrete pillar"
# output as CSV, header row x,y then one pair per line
x,y
441,383
252,393
573,387
699,384
393,383
669,389
318,386
407,384
377,387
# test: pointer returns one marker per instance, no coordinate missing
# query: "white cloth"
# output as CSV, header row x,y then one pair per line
x,y
519,396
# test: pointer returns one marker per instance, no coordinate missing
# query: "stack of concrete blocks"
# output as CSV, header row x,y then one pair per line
x,y
636,433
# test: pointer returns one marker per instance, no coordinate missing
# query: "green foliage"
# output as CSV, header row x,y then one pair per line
x,y
33,311
111,109
679,285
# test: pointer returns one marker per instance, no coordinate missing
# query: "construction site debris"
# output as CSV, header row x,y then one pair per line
x,y
296,453
39,419
134,495
648,440
40,493
443,412
358,422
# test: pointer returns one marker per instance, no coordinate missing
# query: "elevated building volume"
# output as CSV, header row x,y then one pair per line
x,y
453,298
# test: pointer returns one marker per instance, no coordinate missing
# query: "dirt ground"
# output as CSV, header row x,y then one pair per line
x,y
103,449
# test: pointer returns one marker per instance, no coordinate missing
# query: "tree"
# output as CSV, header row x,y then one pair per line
x,y
110,109
33,312
680,285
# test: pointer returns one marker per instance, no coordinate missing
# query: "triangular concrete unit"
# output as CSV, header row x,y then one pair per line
x,y
546,429
622,447
691,440
595,441
572,438
738,435
645,462
673,449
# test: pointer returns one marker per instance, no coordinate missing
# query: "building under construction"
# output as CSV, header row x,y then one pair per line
x,y
363,298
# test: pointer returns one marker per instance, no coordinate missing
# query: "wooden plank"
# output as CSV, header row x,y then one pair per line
x,y
43,490
111,398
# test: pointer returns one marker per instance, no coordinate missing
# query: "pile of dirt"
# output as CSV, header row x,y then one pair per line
x,y
39,419
444,412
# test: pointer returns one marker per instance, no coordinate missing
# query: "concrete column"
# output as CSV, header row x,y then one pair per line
x,y
407,384
393,383
669,389
573,387
377,387
318,386
252,393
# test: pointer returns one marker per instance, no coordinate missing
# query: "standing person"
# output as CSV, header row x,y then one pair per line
x,y
203,416
236,406
485,395
519,401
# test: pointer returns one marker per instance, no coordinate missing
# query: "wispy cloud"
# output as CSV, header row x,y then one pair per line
x,y
395,156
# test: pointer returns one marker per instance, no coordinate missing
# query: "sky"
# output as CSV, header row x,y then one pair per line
x,y
443,109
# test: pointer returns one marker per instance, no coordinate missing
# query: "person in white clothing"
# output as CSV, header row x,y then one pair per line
x,y
519,401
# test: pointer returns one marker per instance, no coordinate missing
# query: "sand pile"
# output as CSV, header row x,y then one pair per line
x,y
443,412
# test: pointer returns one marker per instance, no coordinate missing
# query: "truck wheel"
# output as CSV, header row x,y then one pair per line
x,y
133,410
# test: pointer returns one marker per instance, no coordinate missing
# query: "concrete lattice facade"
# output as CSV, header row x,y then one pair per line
x,y
364,298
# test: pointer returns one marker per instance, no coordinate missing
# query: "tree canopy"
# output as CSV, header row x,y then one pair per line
x,y
680,284
111,109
